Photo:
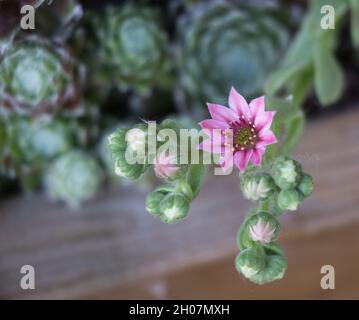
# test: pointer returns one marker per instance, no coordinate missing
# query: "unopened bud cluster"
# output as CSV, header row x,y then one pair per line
x,y
280,188
170,202
294,184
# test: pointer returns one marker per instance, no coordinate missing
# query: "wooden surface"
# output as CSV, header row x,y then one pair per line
x,y
112,248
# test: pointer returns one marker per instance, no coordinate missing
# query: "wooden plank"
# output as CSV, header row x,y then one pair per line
x,y
113,248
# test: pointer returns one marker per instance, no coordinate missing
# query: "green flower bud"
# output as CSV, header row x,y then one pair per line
x,y
288,199
153,201
260,228
36,77
174,207
257,187
128,142
144,183
136,140
117,141
73,178
262,265
305,185
124,169
276,265
250,262
286,172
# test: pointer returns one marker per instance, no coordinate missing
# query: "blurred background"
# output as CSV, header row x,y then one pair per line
x,y
90,67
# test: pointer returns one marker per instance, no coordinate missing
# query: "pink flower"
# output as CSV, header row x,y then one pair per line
x,y
239,133
165,165
262,232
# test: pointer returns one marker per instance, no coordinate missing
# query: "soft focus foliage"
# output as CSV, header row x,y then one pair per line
x,y
126,47
224,46
311,60
37,77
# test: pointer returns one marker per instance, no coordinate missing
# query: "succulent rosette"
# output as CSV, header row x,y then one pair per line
x,y
36,78
38,139
224,45
28,146
73,178
240,133
126,46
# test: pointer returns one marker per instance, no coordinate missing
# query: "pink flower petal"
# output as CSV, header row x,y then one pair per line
x,y
161,172
221,113
213,145
264,121
165,165
257,107
211,124
241,159
257,156
238,104
266,138
226,160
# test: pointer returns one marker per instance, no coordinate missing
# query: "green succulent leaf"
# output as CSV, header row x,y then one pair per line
x,y
294,128
310,58
354,7
328,78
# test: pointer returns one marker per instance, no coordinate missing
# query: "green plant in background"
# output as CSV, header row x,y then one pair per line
x,y
36,77
126,46
310,60
224,46
28,146
74,177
